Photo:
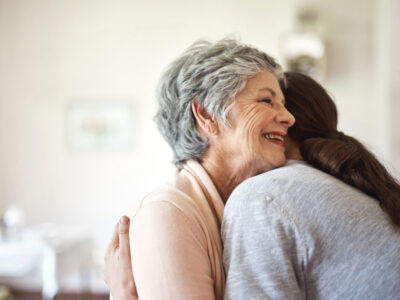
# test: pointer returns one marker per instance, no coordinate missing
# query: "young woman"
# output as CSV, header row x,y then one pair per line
x,y
324,226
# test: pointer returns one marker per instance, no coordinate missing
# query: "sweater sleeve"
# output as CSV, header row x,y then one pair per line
x,y
169,254
263,252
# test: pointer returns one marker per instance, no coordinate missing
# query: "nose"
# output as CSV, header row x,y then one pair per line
x,y
285,118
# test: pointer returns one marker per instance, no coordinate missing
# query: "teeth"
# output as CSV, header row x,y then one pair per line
x,y
273,137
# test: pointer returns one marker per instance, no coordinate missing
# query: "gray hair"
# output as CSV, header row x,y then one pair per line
x,y
211,74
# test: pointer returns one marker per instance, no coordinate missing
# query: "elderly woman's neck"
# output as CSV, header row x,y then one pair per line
x,y
225,175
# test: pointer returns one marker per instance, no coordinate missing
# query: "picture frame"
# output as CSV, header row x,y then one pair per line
x,y
100,126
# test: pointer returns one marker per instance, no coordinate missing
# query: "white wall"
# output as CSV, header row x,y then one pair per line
x,y
393,67
54,52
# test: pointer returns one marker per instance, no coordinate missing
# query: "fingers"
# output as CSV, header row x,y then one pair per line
x,y
120,239
114,243
124,236
117,263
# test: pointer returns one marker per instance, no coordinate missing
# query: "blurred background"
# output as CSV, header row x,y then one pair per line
x,y
77,79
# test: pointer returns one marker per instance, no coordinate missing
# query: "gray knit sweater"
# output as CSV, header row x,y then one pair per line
x,y
298,233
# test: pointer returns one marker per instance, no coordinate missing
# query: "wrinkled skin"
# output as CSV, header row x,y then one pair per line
x,y
259,109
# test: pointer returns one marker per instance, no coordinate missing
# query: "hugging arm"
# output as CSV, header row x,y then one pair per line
x,y
263,252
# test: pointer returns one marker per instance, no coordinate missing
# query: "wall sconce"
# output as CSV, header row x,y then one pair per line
x,y
303,49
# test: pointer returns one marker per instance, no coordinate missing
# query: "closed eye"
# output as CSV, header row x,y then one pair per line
x,y
268,101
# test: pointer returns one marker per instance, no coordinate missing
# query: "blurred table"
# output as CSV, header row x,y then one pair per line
x,y
47,252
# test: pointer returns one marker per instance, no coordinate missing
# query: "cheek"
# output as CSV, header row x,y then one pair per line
x,y
254,122
248,126
249,133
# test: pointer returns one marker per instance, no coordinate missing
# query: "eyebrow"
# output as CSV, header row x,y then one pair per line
x,y
268,89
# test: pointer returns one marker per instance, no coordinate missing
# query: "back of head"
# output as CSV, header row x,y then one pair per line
x,y
313,108
211,74
331,151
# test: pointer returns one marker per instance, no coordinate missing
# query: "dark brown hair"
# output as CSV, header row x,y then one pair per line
x,y
331,151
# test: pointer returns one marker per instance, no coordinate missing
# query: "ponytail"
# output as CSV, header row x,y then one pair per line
x,y
348,160
333,152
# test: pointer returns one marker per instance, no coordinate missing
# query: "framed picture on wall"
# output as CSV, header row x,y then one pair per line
x,y
100,126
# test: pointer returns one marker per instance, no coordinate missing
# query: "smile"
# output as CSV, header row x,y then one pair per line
x,y
276,138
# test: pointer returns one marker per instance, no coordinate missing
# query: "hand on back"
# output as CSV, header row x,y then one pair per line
x,y
117,264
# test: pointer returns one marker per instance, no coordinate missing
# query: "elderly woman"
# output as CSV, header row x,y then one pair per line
x,y
223,113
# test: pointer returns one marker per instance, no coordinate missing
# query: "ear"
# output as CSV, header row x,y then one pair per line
x,y
205,122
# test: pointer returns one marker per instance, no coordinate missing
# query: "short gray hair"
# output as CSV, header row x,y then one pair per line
x,y
211,74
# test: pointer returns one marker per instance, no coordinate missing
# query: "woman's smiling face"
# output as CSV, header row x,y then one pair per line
x,y
258,126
